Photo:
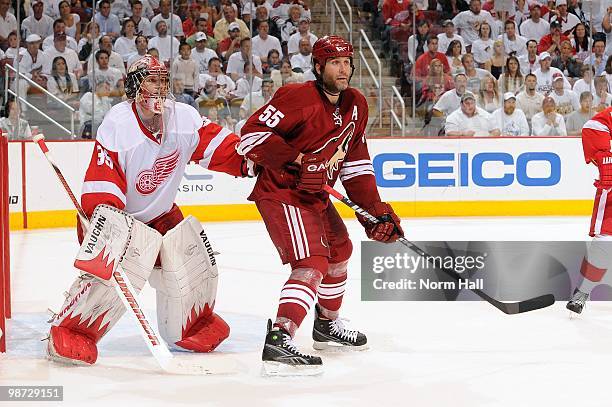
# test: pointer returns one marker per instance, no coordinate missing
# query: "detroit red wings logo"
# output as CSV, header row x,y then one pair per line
x,y
148,180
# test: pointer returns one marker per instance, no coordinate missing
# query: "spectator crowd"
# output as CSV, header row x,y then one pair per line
x,y
225,58
501,67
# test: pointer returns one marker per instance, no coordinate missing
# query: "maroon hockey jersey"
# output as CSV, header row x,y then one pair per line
x,y
300,119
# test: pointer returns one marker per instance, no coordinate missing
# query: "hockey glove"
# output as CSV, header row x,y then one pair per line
x,y
603,159
313,173
388,230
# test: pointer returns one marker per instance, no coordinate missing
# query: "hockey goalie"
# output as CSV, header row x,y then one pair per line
x,y
139,157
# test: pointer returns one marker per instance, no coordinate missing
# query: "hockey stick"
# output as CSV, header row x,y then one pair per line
x,y
541,301
126,293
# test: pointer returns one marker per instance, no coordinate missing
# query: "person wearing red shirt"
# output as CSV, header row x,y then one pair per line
x,y
551,43
421,66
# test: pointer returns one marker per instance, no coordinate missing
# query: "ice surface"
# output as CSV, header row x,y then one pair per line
x,y
422,353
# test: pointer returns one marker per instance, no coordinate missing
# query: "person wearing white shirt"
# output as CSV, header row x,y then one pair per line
x,y
113,76
568,20
8,22
468,22
70,56
470,120
31,63
530,101
171,20
602,97
511,121
451,99
585,84
513,44
126,44
257,99
548,122
244,85
200,54
121,8
482,48
38,23
115,60
545,74
606,25
187,68
535,27
143,25
223,84
142,45
59,27
293,45
531,61
567,101
263,43
303,60
235,64
449,35
167,45
72,21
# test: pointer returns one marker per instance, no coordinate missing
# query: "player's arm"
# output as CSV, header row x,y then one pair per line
x,y
596,145
105,181
357,177
216,150
263,135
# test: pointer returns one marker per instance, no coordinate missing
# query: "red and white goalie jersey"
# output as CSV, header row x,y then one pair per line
x,y
300,119
131,170
596,135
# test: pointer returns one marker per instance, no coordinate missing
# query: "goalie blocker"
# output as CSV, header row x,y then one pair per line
x,y
186,284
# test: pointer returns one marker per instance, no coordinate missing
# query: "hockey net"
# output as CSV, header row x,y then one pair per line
x,y
4,240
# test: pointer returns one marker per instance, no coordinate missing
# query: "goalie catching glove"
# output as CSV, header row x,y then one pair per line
x,y
388,230
603,159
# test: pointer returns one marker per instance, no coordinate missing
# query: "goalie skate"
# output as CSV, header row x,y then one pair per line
x,y
281,356
332,335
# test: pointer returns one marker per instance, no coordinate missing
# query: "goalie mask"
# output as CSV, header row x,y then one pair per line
x,y
328,47
147,83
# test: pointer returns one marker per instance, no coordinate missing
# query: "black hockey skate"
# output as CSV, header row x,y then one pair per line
x,y
332,334
578,301
282,358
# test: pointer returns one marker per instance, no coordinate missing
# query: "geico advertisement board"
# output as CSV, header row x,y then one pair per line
x,y
406,170
482,169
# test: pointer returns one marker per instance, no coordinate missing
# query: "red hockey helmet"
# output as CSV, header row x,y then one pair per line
x,y
330,46
142,69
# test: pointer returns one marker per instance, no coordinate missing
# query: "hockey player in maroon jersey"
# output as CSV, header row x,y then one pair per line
x,y
596,135
307,136
141,151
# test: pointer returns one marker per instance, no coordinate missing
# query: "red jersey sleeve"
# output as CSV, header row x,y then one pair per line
x,y
216,149
357,172
264,133
596,134
105,181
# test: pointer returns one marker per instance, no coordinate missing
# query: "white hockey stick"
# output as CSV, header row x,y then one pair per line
x,y
125,291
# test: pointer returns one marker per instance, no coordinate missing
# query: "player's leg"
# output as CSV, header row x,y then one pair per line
x,y
298,235
186,290
599,252
92,306
329,330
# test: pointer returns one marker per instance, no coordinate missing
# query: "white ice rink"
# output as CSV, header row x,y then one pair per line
x,y
422,353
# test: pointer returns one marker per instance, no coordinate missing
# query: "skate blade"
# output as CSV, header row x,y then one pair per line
x,y
337,347
272,369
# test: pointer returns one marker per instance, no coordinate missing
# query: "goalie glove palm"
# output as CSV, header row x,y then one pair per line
x,y
603,159
388,230
313,173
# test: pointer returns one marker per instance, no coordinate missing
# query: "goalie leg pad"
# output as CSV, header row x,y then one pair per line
x,y
92,306
186,290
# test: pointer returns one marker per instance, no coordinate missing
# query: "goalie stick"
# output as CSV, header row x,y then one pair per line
x,y
510,308
126,293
